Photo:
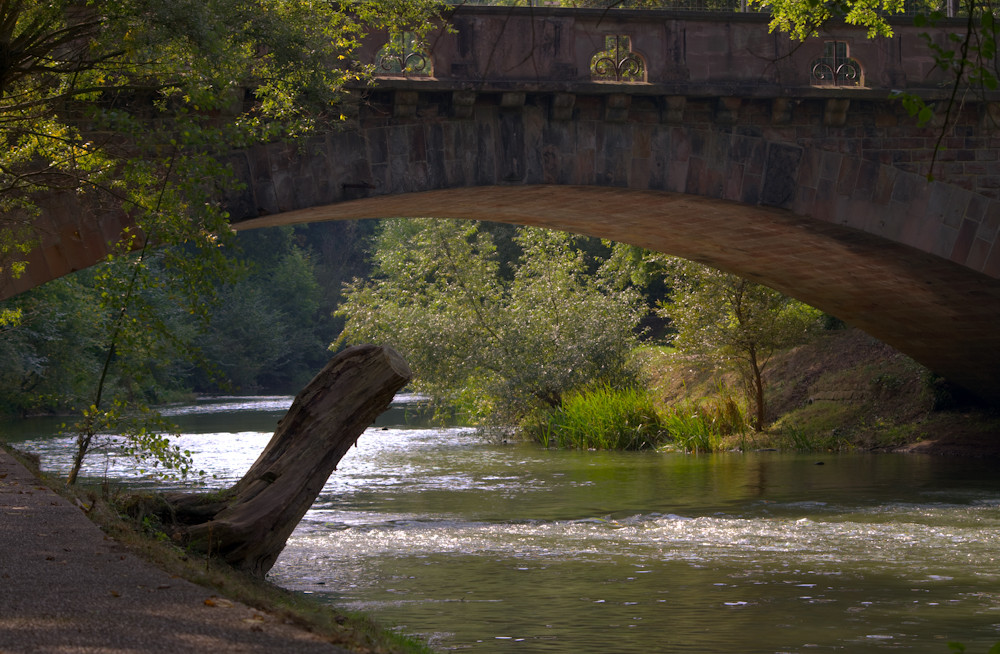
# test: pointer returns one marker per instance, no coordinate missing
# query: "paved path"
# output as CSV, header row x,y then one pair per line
x,y
66,587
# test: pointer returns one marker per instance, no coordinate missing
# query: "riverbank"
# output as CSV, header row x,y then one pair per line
x,y
842,390
63,577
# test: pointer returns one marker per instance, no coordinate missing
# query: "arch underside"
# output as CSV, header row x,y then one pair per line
x,y
939,313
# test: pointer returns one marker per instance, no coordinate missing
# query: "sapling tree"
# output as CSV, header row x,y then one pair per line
x,y
724,318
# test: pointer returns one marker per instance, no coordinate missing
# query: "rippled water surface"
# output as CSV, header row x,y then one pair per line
x,y
497,548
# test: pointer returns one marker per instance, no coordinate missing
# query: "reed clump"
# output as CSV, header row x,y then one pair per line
x,y
608,418
604,418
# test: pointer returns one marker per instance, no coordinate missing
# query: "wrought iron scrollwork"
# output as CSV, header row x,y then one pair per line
x,y
403,55
410,62
835,67
617,61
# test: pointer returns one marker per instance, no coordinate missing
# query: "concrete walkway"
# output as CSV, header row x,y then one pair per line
x,y
67,587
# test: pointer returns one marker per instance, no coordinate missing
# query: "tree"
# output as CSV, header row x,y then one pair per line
x,y
267,330
126,105
500,346
720,316
48,352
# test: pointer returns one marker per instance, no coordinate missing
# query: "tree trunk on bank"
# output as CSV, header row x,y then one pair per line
x,y
248,524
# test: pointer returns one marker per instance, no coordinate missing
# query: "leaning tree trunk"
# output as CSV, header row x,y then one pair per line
x,y
248,524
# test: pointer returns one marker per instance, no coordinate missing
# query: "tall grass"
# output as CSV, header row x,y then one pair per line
x,y
627,419
604,419
690,431
703,427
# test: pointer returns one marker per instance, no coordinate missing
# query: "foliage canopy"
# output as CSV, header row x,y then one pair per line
x,y
498,345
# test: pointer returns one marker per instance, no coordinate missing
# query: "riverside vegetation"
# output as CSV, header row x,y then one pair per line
x,y
546,331
841,390
135,50
544,335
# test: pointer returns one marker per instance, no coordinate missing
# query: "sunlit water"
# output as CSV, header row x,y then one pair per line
x,y
497,548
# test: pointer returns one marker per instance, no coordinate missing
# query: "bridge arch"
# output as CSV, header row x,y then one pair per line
x,y
941,314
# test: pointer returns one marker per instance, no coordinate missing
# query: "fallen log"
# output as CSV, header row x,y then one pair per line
x,y
248,524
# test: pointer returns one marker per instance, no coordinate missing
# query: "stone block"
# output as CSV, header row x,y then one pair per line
x,y
703,180
486,164
750,189
404,104
639,172
992,265
847,178
463,104
673,109
727,110
562,106
585,167
947,204
781,111
866,180
990,223
616,106
418,143
677,174
963,242
809,168
512,150
829,165
835,112
732,188
885,184
978,254
512,99
780,175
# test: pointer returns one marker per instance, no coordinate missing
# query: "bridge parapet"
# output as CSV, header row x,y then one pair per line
x,y
702,71
683,53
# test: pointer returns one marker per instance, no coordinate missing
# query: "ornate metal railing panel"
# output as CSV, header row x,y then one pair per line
x,y
835,67
403,55
617,62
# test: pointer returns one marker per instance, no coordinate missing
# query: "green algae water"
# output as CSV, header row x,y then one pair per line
x,y
514,548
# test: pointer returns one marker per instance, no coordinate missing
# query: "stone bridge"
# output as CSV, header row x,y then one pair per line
x,y
699,135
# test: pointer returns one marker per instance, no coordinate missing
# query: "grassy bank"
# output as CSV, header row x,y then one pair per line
x,y
842,390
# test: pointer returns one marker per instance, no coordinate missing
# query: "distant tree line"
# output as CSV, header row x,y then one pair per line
x,y
267,331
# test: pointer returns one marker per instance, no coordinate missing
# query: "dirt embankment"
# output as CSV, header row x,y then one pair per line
x,y
843,390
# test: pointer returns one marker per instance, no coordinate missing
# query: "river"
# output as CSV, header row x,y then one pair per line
x,y
514,548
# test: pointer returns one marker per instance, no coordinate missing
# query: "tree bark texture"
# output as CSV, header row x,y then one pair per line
x,y
248,524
